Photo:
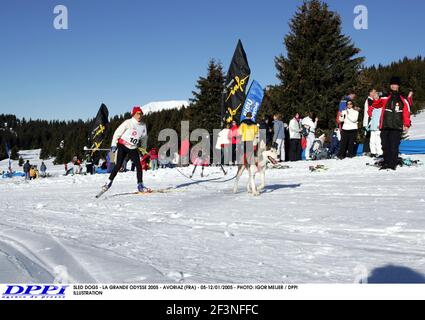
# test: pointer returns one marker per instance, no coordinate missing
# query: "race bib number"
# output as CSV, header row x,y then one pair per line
x,y
134,141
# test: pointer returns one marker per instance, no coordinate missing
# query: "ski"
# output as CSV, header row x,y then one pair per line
x,y
167,190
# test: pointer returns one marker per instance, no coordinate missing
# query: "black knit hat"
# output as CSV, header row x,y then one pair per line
x,y
395,80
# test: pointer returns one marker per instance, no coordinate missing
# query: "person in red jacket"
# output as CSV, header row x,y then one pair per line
x,y
235,139
154,159
395,120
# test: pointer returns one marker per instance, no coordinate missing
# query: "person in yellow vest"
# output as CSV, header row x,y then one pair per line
x,y
248,130
33,173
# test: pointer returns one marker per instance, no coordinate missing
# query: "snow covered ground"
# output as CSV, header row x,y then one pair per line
x,y
307,227
417,131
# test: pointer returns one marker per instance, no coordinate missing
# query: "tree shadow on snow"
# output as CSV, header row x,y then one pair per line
x,y
395,274
274,187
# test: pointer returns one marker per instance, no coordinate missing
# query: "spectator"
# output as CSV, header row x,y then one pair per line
x,y
366,122
224,145
335,142
33,173
343,106
265,125
295,138
375,132
27,168
89,165
349,118
279,136
395,119
43,169
153,154
235,139
310,127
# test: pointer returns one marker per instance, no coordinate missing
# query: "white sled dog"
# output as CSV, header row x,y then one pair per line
x,y
260,166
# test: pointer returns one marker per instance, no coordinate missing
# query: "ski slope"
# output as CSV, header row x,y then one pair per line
x,y
307,227
417,131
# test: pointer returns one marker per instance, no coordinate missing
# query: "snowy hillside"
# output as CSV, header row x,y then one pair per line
x,y
417,132
163,105
34,157
320,227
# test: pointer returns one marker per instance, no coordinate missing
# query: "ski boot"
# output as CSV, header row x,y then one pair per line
x,y
142,189
106,186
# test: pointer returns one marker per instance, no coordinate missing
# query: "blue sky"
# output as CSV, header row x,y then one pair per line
x,y
131,52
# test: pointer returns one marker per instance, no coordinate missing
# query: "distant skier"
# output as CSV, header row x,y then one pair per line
x,y
125,141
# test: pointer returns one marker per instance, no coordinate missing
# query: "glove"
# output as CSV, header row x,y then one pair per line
x,y
275,145
113,149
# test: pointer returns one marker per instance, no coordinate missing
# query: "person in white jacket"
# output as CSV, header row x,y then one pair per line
x,y
311,126
366,121
224,145
295,138
350,119
125,142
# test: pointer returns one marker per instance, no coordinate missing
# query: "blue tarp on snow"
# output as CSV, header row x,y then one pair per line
x,y
14,174
406,147
412,147
101,171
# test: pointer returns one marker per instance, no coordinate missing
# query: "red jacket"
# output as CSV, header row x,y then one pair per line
x,y
153,154
388,113
144,162
234,134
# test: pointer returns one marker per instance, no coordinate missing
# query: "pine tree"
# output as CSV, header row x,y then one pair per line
x,y
320,66
205,109
14,153
44,154
60,154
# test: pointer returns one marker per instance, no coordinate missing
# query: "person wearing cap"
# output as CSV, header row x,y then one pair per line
x,y
395,119
129,135
343,106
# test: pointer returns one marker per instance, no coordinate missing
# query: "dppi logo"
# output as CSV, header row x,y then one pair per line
x,y
34,291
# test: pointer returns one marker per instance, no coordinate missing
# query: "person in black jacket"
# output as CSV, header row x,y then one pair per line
x,y
27,168
394,120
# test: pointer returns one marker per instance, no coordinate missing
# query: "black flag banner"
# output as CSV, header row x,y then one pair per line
x,y
236,82
98,132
